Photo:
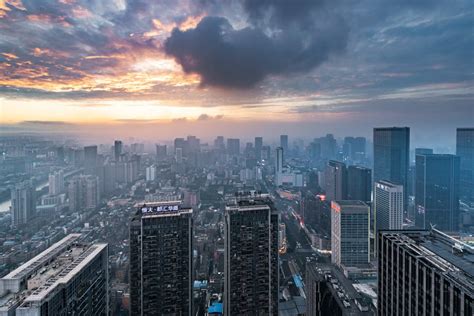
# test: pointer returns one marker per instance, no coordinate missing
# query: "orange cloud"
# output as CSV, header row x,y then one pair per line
x,y
81,13
6,4
10,56
161,29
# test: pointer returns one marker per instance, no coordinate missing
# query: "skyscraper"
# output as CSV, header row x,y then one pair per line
x,y
117,149
90,159
69,278
233,146
284,142
56,182
465,150
359,183
388,205
391,156
279,159
161,235
349,233
437,192
423,151
335,177
23,208
258,147
161,152
251,257
423,272
83,192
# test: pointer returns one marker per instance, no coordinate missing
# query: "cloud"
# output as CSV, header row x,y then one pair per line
x,y
44,123
281,39
206,117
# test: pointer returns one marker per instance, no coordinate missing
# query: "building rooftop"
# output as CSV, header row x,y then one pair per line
x,y
61,271
162,209
351,203
31,266
351,301
40,276
387,183
451,256
249,203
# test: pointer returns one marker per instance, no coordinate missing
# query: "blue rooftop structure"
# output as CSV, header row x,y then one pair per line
x,y
215,308
298,280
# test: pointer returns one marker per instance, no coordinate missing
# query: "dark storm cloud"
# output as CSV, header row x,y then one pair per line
x,y
281,39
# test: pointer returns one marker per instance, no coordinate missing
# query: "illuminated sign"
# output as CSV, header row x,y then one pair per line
x,y
336,207
159,208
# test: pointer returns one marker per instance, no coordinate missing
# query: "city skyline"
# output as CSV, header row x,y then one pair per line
x,y
85,65
239,157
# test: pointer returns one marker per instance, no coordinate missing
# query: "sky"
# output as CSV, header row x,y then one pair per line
x,y
158,69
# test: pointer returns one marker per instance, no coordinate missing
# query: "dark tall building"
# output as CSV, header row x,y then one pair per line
x,y
465,150
391,156
90,159
423,272
161,235
219,143
251,257
23,197
359,183
117,149
161,152
423,151
258,147
69,278
437,192
329,292
233,146
335,177
284,142
354,148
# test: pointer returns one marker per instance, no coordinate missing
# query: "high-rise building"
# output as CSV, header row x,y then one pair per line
x,y
327,146
423,151
437,192
422,272
251,257
335,177
23,209
349,233
161,152
329,292
150,173
258,147
233,146
284,142
354,148
69,278
465,150
56,182
219,143
391,156
279,160
117,149
83,192
359,183
90,159
179,155
388,205
161,235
